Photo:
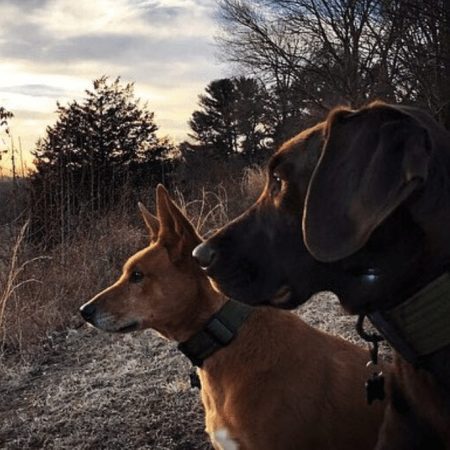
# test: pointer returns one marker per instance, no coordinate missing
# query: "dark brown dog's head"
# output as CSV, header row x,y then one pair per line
x,y
369,253
260,258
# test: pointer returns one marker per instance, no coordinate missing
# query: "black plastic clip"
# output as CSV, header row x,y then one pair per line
x,y
195,380
375,384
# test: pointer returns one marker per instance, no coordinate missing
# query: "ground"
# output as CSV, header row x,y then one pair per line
x,y
91,390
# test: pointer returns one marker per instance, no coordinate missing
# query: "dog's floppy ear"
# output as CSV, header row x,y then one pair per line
x,y
176,232
151,222
371,163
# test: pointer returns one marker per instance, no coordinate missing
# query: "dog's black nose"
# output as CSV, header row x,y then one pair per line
x,y
204,254
88,312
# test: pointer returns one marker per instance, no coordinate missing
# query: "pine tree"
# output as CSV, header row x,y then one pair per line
x,y
5,115
96,147
232,119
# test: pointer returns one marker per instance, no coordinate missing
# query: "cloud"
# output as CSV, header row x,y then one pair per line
x,y
53,49
34,90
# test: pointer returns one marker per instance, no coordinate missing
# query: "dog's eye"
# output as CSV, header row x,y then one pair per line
x,y
277,182
136,276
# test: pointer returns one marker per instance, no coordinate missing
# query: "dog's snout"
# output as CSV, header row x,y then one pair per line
x,y
204,254
88,312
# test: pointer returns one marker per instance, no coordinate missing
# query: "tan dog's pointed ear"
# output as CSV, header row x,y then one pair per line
x,y
151,222
176,232
167,224
371,163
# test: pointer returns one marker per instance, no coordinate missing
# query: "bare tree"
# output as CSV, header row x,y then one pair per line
x,y
259,43
343,51
336,51
425,54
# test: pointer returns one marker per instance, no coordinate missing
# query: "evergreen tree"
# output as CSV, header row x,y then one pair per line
x,y
96,147
5,115
232,119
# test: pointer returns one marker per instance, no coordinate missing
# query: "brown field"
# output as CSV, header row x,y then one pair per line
x,y
64,385
90,390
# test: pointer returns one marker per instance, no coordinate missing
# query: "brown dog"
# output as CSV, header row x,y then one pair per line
x,y
376,219
396,167
279,384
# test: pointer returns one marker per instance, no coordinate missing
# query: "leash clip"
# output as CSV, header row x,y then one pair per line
x,y
194,380
375,384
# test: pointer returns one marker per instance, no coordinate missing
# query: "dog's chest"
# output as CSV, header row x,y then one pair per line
x,y
222,440
425,399
216,423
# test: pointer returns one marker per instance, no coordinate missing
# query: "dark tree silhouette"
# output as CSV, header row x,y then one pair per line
x,y
339,51
5,115
424,53
233,119
98,149
214,125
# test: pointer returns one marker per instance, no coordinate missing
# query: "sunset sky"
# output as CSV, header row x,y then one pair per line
x,y
52,49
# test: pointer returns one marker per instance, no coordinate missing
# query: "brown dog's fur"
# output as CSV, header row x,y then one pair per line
x,y
385,169
280,384
381,199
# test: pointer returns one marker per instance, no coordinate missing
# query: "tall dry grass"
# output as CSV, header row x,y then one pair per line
x,y
41,292
12,282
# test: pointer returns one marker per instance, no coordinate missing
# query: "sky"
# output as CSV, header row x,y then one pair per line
x,y
51,50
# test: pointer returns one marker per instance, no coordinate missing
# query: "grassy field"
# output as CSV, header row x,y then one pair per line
x,y
91,390
41,290
64,385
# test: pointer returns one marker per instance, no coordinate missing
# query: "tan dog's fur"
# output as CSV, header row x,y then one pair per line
x,y
280,384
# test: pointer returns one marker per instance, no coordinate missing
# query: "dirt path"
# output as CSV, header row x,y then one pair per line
x,y
91,390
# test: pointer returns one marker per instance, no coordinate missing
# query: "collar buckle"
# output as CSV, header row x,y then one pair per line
x,y
218,332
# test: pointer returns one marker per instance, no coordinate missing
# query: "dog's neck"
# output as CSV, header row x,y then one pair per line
x,y
430,209
193,312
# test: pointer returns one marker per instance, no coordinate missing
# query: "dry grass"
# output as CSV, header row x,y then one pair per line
x,y
41,294
253,181
13,281
91,390
74,387
66,386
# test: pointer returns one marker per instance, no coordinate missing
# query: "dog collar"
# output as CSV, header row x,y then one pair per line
x,y
218,332
420,325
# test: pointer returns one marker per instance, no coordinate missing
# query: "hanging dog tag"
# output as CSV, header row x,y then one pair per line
x,y
375,388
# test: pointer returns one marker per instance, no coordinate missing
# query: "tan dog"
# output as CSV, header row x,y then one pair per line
x,y
371,189
279,384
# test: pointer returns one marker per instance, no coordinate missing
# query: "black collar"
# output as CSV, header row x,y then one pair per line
x,y
218,332
420,325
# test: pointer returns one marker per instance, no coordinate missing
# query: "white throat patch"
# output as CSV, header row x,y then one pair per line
x,y
221,440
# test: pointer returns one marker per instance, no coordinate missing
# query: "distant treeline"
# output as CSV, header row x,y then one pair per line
x,y
300,57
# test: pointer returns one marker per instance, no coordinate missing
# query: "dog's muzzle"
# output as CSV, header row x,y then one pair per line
x,y
87,311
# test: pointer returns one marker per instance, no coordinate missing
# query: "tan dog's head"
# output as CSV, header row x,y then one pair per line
x,y
159,285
